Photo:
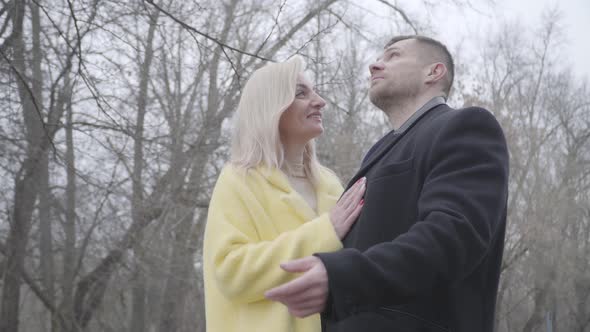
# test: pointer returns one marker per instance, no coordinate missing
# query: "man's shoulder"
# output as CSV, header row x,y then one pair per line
x,y
474,124
472,115
474,111
446,122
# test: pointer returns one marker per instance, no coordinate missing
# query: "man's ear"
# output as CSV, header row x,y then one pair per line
x,y
435,73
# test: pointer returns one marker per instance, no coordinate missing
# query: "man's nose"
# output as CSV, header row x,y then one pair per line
x,y
375,66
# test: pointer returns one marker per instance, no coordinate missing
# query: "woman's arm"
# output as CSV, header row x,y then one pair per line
x,y
244,265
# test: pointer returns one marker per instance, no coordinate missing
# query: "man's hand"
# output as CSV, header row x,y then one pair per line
x,y
307,294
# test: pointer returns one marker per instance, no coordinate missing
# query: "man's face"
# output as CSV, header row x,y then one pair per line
x,y
396,74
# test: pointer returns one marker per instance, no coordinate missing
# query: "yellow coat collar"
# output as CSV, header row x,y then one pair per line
x,y
325,199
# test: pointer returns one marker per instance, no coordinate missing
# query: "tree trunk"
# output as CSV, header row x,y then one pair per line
x,y
138,302
46,262
138,316
26,184
541,299
182,253
69,251
181,268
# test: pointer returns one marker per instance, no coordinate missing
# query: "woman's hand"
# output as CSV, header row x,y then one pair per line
x,y
348,208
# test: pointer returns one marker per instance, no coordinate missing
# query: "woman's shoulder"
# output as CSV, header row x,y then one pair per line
x,y
238,176
231,176
232,183
228,173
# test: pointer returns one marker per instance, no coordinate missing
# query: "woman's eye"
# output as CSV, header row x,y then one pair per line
x,y
299,94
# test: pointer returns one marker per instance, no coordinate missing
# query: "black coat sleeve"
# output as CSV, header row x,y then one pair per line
x,y
460,209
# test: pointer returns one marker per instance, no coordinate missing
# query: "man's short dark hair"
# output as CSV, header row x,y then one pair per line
x,y
440,53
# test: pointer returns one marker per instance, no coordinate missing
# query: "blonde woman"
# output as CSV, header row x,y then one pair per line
x,y
272,203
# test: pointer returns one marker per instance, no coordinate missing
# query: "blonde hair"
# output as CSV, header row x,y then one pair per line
x,y
256,139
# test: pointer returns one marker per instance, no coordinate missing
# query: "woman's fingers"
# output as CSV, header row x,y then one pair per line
x,y
355,197
345,208
348,195
352,217
356,212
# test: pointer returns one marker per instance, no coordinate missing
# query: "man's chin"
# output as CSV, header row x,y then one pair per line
x,y
378,100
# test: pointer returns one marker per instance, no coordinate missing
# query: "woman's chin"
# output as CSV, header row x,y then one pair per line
x,y
318,132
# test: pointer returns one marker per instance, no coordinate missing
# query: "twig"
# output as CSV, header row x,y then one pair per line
x,y
79,44
273,27
213,39
402,13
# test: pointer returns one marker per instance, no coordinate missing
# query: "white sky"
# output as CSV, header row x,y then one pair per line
x,y
454,26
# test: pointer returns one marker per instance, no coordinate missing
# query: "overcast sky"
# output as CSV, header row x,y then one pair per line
x,y
576,24
469,25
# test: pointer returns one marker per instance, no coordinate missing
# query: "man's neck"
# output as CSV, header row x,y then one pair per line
x,y
401,111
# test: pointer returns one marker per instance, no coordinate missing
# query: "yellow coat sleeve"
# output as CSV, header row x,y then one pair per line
x,y
244,265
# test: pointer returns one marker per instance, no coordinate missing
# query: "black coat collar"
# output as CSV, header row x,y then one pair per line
x,y
393,137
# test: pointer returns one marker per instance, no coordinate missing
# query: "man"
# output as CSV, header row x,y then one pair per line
x,y
426,251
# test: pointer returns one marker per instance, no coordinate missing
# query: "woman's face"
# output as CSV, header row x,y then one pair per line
x,y
302,121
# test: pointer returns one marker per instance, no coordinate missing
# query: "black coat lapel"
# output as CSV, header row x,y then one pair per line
x,y
377,155
385,147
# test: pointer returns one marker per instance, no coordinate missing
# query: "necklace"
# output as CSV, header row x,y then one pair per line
x,y
295,170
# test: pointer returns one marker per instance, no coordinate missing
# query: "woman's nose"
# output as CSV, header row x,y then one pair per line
x,y
319,102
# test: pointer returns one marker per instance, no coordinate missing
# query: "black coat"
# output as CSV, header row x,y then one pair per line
x,y
426,251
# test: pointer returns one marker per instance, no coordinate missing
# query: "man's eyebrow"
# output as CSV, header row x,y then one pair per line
x,y
389,49
392,47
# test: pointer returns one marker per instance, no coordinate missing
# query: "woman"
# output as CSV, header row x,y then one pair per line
x,y
272,203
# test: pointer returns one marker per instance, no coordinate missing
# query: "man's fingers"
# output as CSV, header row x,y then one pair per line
x,y
309,308
279,292
298,265
312,306
302,313
289,289
309,298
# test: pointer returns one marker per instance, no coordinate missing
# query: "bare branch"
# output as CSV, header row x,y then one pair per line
x,y
281,6
79,43
402,14
213,39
